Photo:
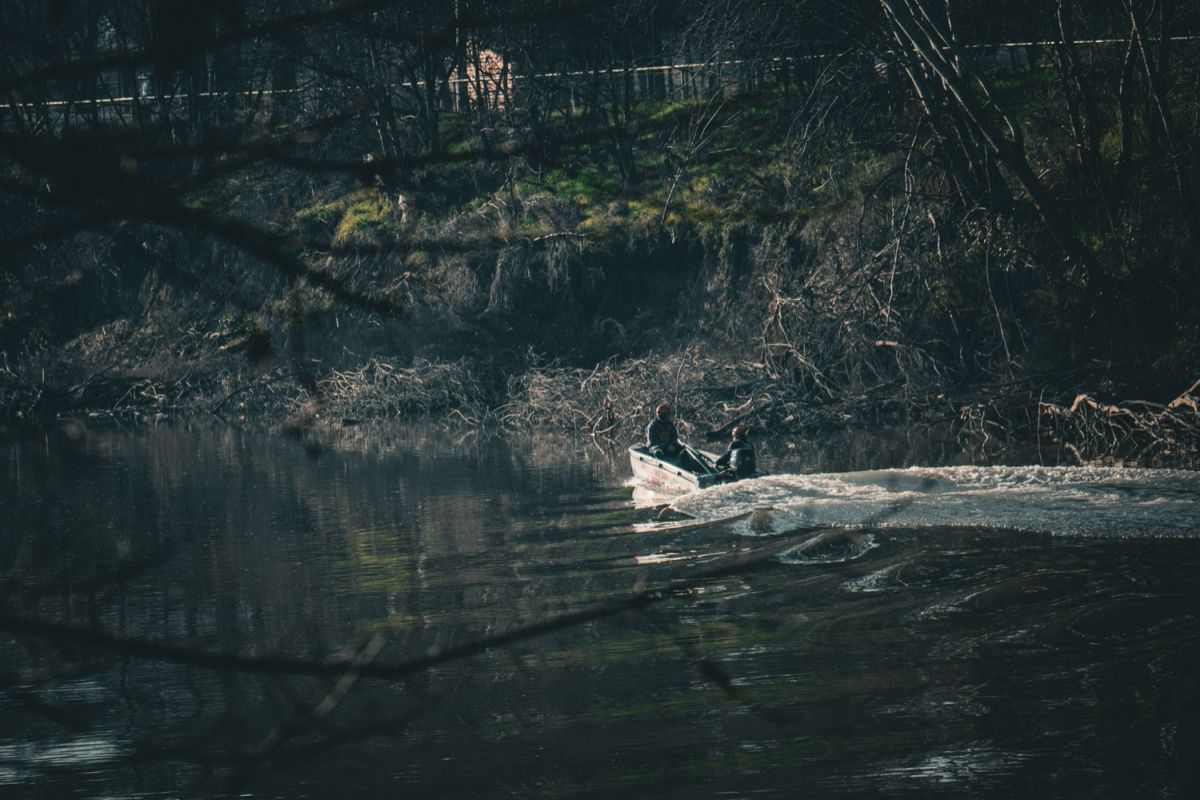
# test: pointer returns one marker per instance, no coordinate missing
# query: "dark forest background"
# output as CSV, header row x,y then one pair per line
x,y
765,210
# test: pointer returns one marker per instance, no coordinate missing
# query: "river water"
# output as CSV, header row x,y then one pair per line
x,y
175,603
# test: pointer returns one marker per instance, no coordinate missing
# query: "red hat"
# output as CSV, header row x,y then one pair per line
x,y
663,408
739,431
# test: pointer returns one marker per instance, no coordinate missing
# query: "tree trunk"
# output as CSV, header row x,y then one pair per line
x,y
927,44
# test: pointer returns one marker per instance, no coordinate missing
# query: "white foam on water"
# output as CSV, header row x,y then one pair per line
x,y
1081,501
974,765
24,757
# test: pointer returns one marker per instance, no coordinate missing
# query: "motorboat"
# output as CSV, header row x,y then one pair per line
x,y
693,469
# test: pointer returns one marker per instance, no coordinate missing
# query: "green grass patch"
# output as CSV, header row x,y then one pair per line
x,y
369,215
732,174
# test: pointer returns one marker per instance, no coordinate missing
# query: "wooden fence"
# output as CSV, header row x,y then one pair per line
x,y
128,98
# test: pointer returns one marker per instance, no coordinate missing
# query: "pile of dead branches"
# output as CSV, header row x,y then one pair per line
x,y
378,389
1135,429
100,395
615,399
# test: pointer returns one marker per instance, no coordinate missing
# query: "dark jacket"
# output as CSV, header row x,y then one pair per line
x,y
661,433
739,458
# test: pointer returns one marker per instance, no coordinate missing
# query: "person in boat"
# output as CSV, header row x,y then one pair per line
x,y
662,440
738,461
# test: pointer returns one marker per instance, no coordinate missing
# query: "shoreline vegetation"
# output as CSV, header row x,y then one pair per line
x,y
608,403
886,232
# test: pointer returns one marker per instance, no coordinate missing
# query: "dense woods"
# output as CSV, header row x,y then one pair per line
x,y
787,213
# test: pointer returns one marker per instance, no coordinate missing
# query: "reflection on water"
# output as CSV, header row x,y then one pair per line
x,y
945,655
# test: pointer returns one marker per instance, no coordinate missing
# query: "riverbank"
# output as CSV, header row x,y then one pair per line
x,y
611,401
716,260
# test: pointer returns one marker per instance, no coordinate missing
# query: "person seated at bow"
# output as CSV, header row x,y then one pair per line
x,y
738,461
662,440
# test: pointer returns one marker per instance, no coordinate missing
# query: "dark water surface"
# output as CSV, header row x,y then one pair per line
x,y
941,642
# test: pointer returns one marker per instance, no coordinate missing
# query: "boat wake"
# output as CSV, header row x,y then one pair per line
x,y
1072,501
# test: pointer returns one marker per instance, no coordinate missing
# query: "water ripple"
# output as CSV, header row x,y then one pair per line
x,y
1083,501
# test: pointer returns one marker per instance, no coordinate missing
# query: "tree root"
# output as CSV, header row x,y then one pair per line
x,y
1134,429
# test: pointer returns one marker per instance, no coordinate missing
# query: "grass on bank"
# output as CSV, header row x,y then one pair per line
x,y
690,165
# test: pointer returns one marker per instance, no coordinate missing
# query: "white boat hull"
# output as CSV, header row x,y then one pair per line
x,y
664,474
